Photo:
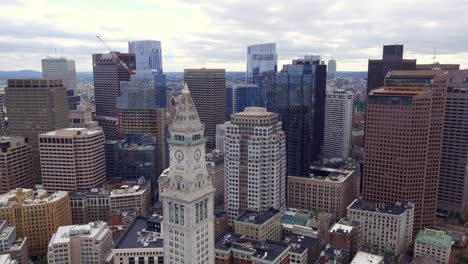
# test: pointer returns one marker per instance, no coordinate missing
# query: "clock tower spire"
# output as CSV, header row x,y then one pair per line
x,y
188,190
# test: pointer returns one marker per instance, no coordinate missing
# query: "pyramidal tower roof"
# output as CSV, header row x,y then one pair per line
x,y
186,117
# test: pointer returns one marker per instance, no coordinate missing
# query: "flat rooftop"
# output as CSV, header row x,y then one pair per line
x,y
367,258
253,217
64,233
72,132
327,174
266,250
368,206
301,243
137,236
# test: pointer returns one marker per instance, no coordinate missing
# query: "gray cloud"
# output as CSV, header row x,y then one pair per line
x,y
349,31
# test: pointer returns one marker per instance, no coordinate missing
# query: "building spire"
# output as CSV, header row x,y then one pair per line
x,y
186,117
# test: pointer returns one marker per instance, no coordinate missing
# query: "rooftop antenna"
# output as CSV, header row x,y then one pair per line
x,y
434,57
55,52
62,52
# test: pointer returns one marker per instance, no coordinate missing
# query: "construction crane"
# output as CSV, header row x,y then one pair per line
x,y
116,57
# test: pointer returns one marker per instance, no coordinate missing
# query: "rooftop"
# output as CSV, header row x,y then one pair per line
x,y
382,208
29,197
254,111
301,243
434,238
414,74
328,174
116,189
253,217
72,132
367,258
137,235
64,233
266,250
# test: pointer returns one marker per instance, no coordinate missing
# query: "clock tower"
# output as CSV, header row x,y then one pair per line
x,y
188,191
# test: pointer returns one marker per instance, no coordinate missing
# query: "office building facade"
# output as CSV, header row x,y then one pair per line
x,y
300,102
36,106
25,208
392,59
15,164
255,162
148,55
72,159
404,133
453,181
242,96
260,58
107,75
434,243
331,74
208,90
339,107
74,244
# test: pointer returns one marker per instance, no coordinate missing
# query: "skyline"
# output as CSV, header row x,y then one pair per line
x,y
215,34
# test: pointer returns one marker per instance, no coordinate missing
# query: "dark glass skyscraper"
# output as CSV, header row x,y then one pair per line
x,y
300,101
260,58
392,60
268,86
240,96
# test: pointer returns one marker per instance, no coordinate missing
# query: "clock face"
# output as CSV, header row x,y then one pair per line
x,y
197,154
179,155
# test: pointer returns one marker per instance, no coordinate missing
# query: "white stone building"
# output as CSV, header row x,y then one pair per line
x,y
188,191
76,244
385,228
60,69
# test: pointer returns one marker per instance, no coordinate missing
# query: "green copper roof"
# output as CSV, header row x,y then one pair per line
x,y
434,238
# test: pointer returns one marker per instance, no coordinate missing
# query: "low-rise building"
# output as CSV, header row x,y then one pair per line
x,y
386,228
72,244
119,221
234,248
331,255
13,245
97,203
36,215
259,226
367,258
434,243
140,243
307,223
325,189
221,222
303,250
347,234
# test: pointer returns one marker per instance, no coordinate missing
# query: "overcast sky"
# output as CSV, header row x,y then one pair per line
x,y
215,33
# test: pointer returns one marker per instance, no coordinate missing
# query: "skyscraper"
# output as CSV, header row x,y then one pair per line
x,y
72,159
60,69
453,182
404,141
107,75
148,55
3,120
392,60
331,74
338,124
260,58
268,86
300,102
208,90
188,191
242,96
139,113
36,106
255,162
